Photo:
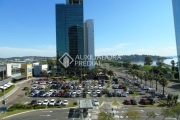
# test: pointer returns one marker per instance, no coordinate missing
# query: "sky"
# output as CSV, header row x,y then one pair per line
x,y
121,27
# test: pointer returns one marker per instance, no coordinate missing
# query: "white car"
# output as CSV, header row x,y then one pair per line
x,y
79,91
45,102
123,94
65,102
94,94
100,87
98,91
39,102
95,102
34,87
52,102
89,92
95,87
92,87
74,92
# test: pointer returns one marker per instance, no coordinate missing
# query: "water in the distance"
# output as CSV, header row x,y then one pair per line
x,y
166,61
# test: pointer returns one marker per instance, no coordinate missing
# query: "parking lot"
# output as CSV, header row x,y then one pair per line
x,y
60,90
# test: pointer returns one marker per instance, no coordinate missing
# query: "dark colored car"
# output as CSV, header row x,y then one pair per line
x,y
84,95
131,92
109,94
133,102
33,102
127,102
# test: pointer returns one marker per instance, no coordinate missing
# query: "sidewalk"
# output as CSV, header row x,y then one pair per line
x,y
17,86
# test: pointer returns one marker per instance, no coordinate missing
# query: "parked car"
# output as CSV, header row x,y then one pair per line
x,y
127,102
95,102
94,94
46,102
52,102
58,103
34,102
39,102
133,102
89,91
65,102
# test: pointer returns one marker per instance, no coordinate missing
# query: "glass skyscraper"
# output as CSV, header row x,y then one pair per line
x,y
69,30
176,11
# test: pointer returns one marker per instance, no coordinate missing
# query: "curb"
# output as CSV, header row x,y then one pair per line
x,y
37,110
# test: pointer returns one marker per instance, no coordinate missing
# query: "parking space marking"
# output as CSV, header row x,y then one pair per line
x,y
47,111
45,115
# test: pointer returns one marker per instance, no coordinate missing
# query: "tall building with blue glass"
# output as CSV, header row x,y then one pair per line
x,y
69,30
176,11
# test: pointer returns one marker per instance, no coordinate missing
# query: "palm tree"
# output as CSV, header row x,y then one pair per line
x,y
105,71
163,82
156,78
150,79
141,76
110,73
145,76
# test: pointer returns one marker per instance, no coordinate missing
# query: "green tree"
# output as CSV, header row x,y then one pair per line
x,y
127,63
163,82
148,60
110,73
173,65
44,72
132,115
145,76
150,78
175,109
105,116
160,62
156,78
53,74
141,76
151,114
105,71
166,113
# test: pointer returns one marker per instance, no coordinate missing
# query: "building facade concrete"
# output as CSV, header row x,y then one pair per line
x,y
89,42
26,70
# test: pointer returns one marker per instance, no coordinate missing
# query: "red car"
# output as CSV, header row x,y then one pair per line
x,y
127,102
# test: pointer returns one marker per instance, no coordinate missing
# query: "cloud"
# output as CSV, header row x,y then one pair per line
x,y
46,50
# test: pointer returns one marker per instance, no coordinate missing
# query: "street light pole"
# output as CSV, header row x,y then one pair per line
x,y
152,76
3,88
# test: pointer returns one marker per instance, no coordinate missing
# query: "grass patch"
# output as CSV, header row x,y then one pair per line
x,y
8,90
115,103
8,113
134,95
100,102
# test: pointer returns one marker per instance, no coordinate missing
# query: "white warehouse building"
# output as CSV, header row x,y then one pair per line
x,y
38,68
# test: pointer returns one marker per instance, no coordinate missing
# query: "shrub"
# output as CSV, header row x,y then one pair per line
x,y
40,106
75,103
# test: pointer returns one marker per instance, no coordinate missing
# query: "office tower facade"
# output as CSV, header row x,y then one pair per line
x,y
89,42
69,31
176,11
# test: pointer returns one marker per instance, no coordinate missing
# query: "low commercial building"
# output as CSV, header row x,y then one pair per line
x,y
26,70
37,69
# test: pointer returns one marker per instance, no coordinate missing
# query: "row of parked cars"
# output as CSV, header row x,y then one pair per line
x,y
51,102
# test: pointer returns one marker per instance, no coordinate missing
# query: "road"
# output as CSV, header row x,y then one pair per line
x,y
50,114
64,114
160,88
